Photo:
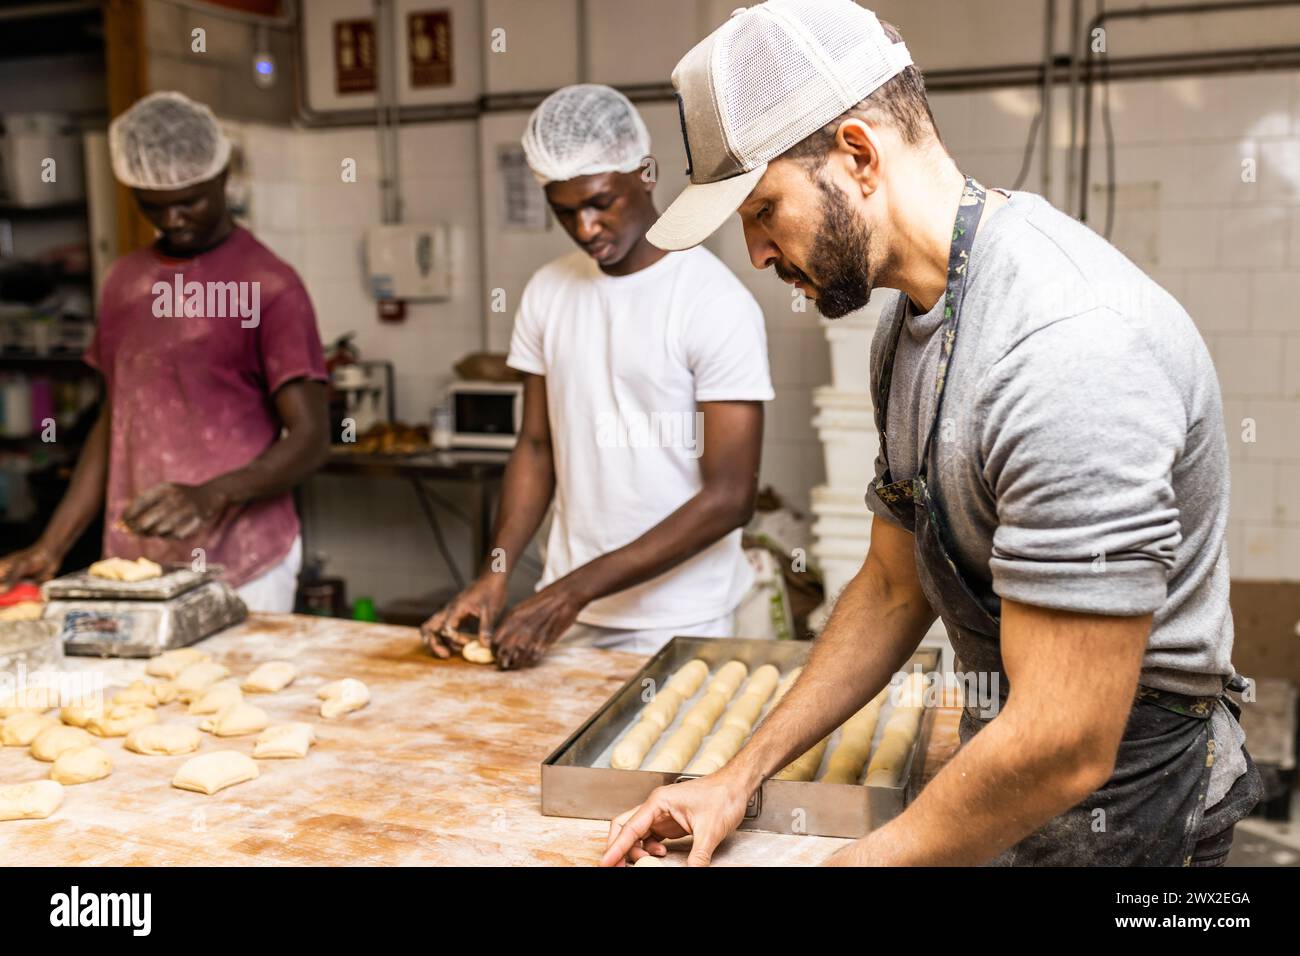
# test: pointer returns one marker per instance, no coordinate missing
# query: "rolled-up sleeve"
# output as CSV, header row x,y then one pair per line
x,y
1080,434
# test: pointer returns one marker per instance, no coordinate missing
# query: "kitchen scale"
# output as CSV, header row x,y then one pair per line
x,y
96,617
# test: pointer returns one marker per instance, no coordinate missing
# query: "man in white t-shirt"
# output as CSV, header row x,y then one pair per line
x,y
645,374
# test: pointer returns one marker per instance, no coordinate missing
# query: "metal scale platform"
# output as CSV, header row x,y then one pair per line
x,y
100,618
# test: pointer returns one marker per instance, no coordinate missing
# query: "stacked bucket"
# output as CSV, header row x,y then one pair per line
x,y
847,429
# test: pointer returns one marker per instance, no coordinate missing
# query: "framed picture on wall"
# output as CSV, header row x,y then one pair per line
x,y
355,55
428,47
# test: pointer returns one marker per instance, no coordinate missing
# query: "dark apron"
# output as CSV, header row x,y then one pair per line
x,y
1152,810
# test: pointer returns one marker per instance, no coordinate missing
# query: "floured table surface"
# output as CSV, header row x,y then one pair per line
x,y
442,767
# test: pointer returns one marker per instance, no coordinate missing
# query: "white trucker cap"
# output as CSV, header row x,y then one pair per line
x,y
770,76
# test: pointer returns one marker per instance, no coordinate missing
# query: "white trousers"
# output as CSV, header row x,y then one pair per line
x,y
273,592
644,642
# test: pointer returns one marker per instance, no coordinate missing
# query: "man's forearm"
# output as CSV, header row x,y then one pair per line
x,y
874,628
997,790
282,467
85,495
701,521
526,492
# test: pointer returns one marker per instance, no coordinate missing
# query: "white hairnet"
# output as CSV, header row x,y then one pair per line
x,y
167,141
584,130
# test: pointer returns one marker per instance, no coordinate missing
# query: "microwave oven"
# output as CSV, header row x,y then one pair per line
x,y
485,414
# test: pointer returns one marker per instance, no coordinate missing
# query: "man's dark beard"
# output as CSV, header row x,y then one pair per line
x,y
840,253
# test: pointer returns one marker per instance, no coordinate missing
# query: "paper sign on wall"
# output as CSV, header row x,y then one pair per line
x,y
354,56
521,200
429,47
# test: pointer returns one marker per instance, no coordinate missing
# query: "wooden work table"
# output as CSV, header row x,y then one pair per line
x,y
442,768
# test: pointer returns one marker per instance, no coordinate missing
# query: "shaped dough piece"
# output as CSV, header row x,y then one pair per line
x,y
477,653
744,711
677,750
81,765
284,741
648,860
804,767
217,698
763,682
169,664
209,773
631,750
21,729
850,755
342,697
688,678
150,695
661,711
237,720
29,700
270,677
887,762
728,678
195,679
721,747
78,715
163,740
52,741
30,801
120,569
120,719
704,713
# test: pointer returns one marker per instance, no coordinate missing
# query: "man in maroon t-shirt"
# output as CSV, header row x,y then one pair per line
x,y
215,403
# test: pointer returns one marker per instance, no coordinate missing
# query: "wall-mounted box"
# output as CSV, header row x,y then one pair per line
x,y
409,262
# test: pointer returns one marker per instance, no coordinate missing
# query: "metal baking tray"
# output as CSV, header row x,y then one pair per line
x,y
135,628
82,585
577,780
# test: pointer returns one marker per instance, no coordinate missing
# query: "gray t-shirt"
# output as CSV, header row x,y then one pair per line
x,y
1081,461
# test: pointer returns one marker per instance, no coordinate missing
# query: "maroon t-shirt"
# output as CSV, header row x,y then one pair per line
x,y
192,393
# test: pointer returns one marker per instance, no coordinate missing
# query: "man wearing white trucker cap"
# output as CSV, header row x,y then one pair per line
x,y
1051,481
644,378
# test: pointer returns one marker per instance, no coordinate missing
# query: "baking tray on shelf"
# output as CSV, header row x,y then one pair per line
x,y
578,781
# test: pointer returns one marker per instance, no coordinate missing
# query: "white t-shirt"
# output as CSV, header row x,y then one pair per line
x,y
627,359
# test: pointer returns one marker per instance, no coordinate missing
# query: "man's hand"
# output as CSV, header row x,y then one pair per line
x,y
483,599
38,563
532,626
172,511
708,809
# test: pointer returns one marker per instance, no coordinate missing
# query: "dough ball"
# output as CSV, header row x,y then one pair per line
x,y
728,678
30,801
649,860
163,740
216,698
81,765
215,771
284,741
78,715
149,695
169,664
21,729
343,696
196,678
120,719
270,677
688,678
477,653
52,741
237,720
